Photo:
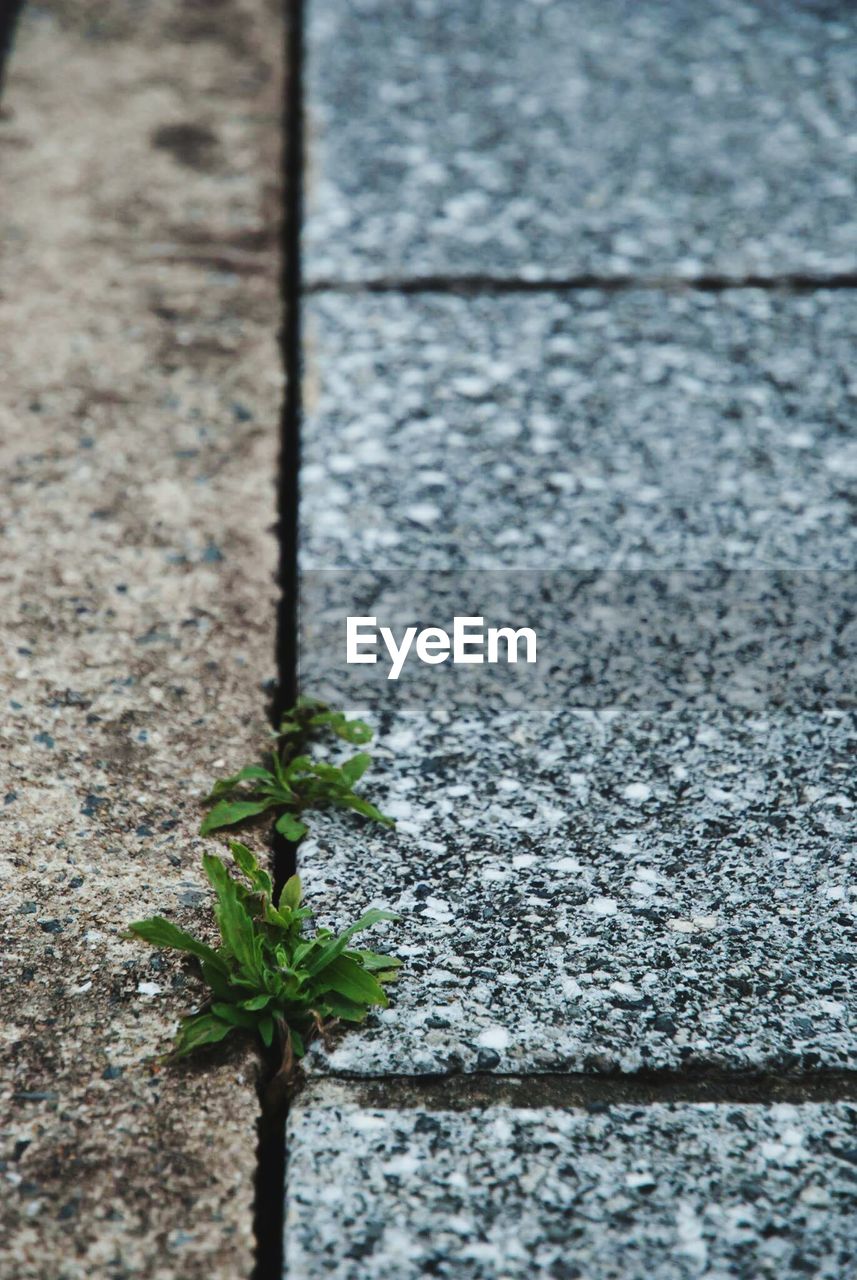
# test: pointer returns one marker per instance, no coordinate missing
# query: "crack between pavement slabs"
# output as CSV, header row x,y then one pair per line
x,y
269,1206
578,1090
9,14
470,285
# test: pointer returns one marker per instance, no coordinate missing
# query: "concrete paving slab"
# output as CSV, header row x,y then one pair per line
x,y
590,430
543,139
675,1191
141,391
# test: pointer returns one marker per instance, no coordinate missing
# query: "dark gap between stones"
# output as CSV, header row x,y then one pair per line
x,y
582,1091
475,284
269,1207
9,14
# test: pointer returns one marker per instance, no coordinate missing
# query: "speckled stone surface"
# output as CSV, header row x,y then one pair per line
x,y
138,434
586,431
640,857
593,888
676,1192
543,138
619,866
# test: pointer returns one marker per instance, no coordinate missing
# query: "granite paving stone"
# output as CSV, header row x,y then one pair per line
x,y
548,139
643,856
137,455
676,1191
603,887
637,856
592,430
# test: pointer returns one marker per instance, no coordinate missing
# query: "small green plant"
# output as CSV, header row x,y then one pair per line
x,y
296,782
269,975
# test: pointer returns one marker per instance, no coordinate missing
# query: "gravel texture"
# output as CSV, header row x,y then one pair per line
x,y
677,1192
547,139
137,458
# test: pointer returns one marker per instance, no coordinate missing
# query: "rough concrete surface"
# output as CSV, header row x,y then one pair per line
x,y
547,139
139,149
677,1192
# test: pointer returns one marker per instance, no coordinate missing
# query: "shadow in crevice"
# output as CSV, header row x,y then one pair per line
x,y
269,1201
587,1090
269,1214
474,285
10,11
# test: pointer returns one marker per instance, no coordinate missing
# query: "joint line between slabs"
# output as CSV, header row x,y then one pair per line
x,y
473,285
270,1191
579,1090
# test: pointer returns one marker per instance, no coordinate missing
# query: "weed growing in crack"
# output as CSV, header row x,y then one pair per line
x,y
293,782
269,974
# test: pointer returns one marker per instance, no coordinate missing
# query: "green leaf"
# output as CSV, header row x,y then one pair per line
x,y
290,827
237,1017
281,920
354,768
246,860
278,788
289,728
298,1046
250,773
216,977
215,871
256,1002
266,1031
365,807
375,963
229,812
202,1028
347,1010
334,948
356,732
291,894
349,979
302,950
299,764
161,933
330,773
236,925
